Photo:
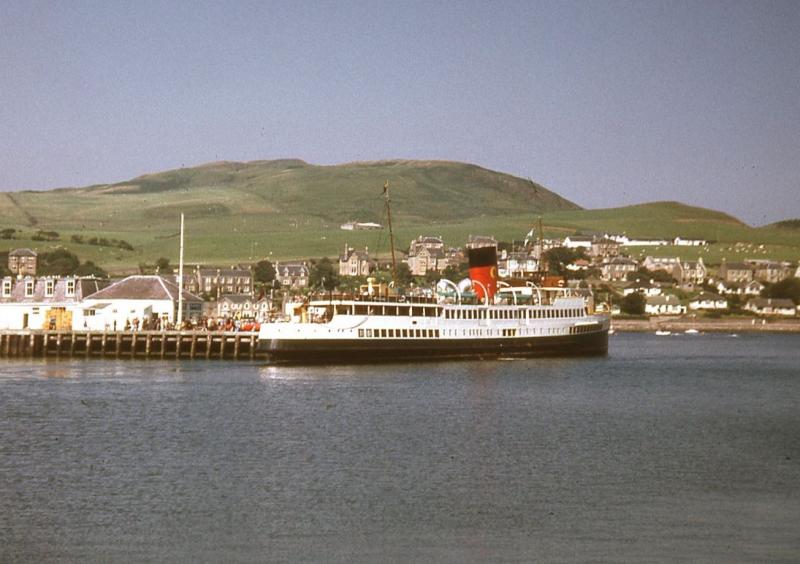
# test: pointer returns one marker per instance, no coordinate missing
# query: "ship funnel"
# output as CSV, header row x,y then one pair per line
x,y
483,269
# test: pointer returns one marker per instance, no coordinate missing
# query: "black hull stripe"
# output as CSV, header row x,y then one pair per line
x,y
352,351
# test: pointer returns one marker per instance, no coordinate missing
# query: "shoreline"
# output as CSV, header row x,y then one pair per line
x,y
681,324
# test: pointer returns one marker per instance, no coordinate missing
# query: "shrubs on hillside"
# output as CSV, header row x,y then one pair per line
x,y
102,242
61,262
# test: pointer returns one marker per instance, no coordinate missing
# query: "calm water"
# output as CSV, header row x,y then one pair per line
x,y
671,449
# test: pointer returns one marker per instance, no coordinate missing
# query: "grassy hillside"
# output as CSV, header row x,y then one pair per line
x,y
732,239
241,211
793,224
288,209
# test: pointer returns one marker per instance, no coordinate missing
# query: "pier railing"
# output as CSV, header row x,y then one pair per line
x,y
238,345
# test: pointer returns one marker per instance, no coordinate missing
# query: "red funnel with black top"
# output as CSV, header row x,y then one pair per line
x,y
483,269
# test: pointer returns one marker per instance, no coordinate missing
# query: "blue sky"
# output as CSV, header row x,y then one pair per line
x,y
606,103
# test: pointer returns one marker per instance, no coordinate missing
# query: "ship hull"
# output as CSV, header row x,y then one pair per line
x,y
354,351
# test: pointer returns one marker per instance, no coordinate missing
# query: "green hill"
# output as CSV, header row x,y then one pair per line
x,y
244,211
731,239
793,224
654,220
239,212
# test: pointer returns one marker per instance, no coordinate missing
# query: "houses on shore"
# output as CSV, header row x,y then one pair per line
x,y
47,302
668,285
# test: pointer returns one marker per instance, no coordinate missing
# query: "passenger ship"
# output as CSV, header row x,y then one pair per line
x,y
376,329
380,327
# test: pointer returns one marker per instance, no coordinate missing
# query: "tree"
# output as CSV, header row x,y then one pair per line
x,y
323,274
264,272
655,275
162,264
432,277
788,289
90,269
4,264
403,276
558,258
456,272
60,262
633,304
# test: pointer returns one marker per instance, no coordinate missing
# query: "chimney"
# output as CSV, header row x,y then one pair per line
x,y
483,269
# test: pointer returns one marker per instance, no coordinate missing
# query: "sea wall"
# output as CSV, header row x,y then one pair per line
x,y
721,325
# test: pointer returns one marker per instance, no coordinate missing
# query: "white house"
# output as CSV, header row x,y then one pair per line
x,y
681,242
664,305
46,302
517,265
626,241
752,288
707,301
576,242
136,298
670,265
772,306
645,287
243,307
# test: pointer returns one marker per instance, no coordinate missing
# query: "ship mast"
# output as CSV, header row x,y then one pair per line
x,y
180,282
391,234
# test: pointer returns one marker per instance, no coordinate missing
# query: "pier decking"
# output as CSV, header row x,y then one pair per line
x,y
130,344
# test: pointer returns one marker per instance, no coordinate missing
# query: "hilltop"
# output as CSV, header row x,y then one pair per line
x,y
246,211
793,224
423,190
240,211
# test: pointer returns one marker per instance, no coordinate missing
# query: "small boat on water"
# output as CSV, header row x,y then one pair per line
x,y
692,332
663,332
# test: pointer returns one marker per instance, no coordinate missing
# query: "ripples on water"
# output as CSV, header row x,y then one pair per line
x,y
670,448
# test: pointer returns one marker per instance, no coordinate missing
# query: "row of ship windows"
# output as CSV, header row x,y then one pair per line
x,y
400,333
436,333
513,313
582,329
422,311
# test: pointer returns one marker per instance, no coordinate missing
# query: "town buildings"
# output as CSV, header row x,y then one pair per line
x,y
735,272
426,254
214,281
707,301
618,268
518,264
240,306
670,265
91,303
22,262
664,305
771,306
292,275
355,263
46,302
479,241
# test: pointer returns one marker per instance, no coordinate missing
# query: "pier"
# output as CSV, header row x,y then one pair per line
x,y
208,345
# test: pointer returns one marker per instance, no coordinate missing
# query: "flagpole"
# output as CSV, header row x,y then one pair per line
x,y
180,281
391,234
